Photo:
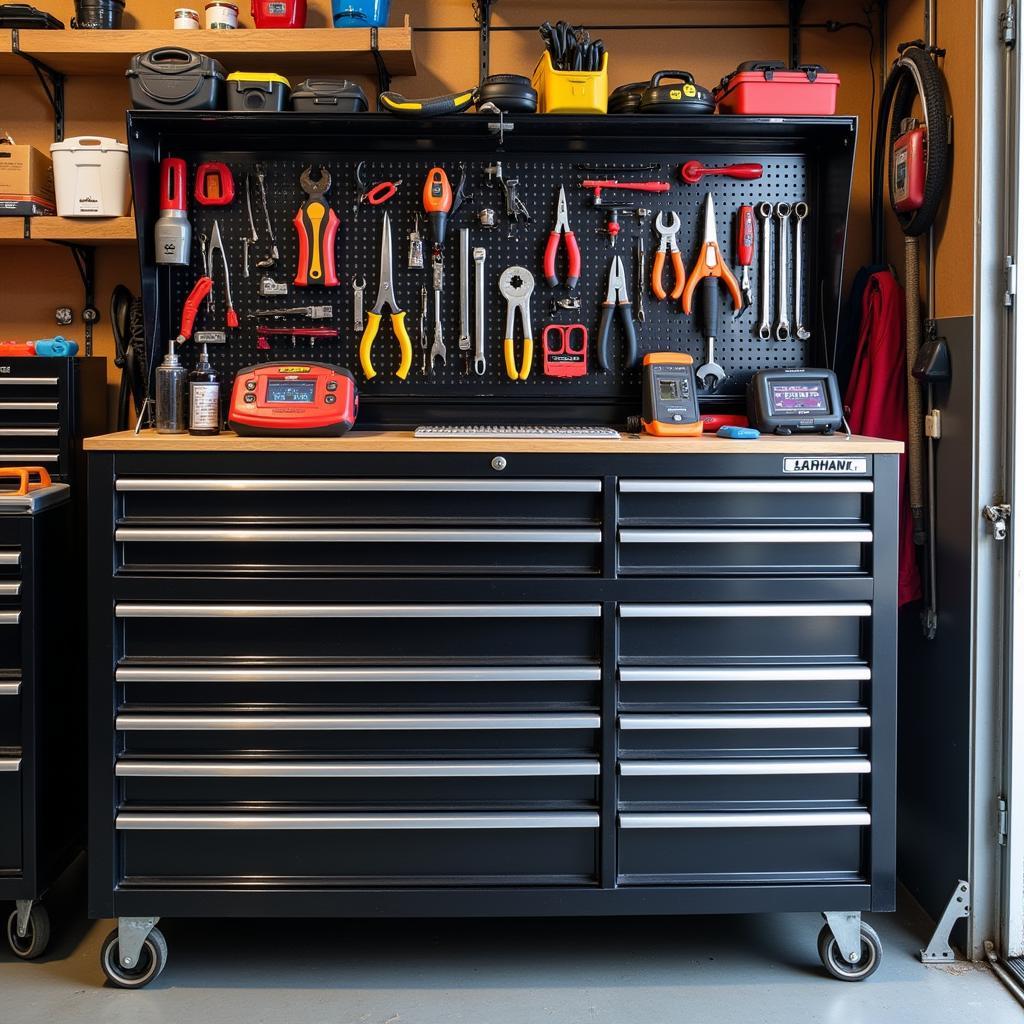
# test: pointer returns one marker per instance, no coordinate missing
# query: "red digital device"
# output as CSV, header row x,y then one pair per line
x,y
279,13
297,399
909,164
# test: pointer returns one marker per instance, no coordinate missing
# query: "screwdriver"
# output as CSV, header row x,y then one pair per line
x,y
744,253
437,201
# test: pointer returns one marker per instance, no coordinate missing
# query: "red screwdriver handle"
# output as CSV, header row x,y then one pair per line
x,y
693,170
192,303
745,236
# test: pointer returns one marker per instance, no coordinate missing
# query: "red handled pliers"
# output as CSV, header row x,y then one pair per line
x,y
572,249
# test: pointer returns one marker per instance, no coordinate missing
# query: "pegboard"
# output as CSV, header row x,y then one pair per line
x,y
788,177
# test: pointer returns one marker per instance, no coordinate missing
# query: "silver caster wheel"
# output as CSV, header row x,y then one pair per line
x,y
832,958
152,960
37,933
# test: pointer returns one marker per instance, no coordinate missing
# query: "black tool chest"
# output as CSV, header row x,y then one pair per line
x,y
352,682
42,701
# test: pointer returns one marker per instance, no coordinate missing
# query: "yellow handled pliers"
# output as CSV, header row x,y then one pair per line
x,y
385,297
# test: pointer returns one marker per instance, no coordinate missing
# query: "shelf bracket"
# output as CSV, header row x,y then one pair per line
x,y
85,261
51,80
383,74
796,10
482,13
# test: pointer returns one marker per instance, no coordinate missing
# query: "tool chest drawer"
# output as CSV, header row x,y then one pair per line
x,y
10,563
10,638
359,631
10,810
10,709
742,847
360,848
701,632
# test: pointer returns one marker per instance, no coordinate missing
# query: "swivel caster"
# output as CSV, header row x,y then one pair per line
x,y
28,930
147,960
839,966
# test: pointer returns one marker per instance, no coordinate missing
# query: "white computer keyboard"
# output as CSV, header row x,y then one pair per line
x,y
506,431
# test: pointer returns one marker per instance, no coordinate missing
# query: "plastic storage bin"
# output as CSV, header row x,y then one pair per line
x,y
90,177
329,96
770,88
249,90
360,13
570,92
173,78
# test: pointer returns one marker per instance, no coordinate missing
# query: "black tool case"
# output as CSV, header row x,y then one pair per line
x,y
173,78
328,96
804,159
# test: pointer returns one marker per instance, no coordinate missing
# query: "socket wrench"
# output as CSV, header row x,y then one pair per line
x,y
800,211
783,212
764,330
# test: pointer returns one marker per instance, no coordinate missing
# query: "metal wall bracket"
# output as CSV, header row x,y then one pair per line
x,y
845,927
85,260
938,950
131,936
52,82
482,13
383,74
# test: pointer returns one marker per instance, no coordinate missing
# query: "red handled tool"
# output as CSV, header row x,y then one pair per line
x,y
599,186
693,170
744,252
317,227
191,308
264,334
565,350
562,230
437,201
215,185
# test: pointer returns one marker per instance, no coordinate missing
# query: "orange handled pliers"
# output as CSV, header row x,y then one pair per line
x,y
710,263
668,234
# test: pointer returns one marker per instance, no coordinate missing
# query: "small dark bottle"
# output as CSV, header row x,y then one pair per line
x,y
203,398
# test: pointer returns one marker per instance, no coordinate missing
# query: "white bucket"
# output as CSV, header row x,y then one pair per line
x,y
90,177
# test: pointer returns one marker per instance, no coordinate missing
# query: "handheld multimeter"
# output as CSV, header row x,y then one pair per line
x,y
670,396
794,401
297,399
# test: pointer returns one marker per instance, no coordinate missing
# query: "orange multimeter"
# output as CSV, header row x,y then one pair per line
x,y
670,396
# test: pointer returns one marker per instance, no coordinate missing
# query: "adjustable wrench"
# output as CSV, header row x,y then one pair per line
x,y
800,211
783,212
464,341
479,361
764,330
357,307
437,349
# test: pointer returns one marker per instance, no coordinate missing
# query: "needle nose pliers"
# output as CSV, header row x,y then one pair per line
x,y
616,298
560,230
385,297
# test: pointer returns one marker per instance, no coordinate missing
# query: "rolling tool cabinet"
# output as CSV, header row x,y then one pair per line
x,y
385,676
42,701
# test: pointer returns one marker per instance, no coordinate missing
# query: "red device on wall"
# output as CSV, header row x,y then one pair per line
x,y
299,399
278,13
909,165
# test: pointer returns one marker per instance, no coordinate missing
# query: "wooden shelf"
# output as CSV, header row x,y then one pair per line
x,y
12,229
290,52
81,231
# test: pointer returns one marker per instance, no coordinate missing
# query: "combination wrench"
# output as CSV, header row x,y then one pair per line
x,y
437,349
357,303
783,211
764,330
800,211
464,342
479,361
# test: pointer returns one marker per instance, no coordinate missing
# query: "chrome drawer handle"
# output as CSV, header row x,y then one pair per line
x,y
130,768
28,381
27,457
133,722
371,485
838,720
130,534
140,610
10,618
801,819
746,486
29,406
138,821
10,589
718,674
27,431
10,764
10,557
744,611
745,536
10,689
748,766
469,674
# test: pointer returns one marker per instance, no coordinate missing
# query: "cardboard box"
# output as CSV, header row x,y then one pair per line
x,y
26,181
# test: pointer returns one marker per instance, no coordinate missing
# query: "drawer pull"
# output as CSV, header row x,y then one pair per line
x,y
10,689
743,611
10,764
748,766
34,458
745,536
10,557
35,381
132,722
139,610
746,486
137,821
456,485
27,431
358,675
29,406
140,769
718,674
860,720
800,819
358,536
10,589
10,618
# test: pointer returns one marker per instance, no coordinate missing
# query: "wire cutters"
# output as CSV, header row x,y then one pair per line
x,y
668,232
710,265
385,297
616,298
560,230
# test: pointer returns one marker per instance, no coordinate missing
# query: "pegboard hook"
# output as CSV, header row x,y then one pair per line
x,y
498,127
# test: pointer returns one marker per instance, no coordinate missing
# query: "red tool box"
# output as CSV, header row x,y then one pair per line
x,y
769,87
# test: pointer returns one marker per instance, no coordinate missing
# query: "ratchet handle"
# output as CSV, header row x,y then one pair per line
x,y
745,236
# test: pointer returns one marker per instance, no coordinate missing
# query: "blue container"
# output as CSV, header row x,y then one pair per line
x,y
360,13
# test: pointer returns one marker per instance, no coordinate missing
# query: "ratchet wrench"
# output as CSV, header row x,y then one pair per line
x,y
783,212
764,330
479,361
800,211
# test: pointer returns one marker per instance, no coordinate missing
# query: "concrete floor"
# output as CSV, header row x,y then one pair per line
x,y
630,971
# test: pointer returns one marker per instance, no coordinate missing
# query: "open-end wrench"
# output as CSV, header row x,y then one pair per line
x,y
357,305
437,349
711,369
783,212
424,310
764,330
479,360
800,211
464,339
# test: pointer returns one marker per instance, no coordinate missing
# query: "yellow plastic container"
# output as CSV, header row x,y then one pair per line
x,y
570,92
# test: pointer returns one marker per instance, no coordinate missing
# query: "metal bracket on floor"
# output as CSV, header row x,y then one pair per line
x,y
85,260
23,909
131,936
50,79
845,927
482,13
383,74
938,950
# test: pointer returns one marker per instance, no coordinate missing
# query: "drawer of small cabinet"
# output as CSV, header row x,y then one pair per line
x,y
40,441
768,732
10,710
10,563
732,783
782,631
10,639
373,501
741,846
10,809
360,631
400,782
692,551
753,501
362,849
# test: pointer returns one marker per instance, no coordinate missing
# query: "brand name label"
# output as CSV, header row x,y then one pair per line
x,y
824,465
